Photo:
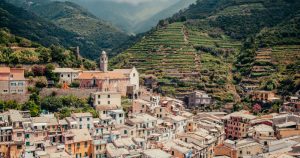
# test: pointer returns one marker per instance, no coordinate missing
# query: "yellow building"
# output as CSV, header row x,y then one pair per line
x,y
78,143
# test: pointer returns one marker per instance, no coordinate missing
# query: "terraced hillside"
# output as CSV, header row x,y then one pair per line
x,y
272,65
171,53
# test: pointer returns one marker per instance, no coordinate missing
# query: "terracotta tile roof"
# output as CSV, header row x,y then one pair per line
x,y
124,71
106,107
100,75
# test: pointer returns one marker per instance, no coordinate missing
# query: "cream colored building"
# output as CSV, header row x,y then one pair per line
x,y
264,134
67,75
84,120
107,98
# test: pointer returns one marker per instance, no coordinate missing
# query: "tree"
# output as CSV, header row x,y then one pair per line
x,y
50,74
52,104
45,54
32,107
35,98
257,108
38,70
89,65
41,82
57,53
237,107
286,87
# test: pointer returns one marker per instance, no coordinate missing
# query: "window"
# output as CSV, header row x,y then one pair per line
x,y
143,106
99,96
125,131
108,96
80,119
78,145
88,119
68,75
69,147
172,152
108,102
19,146
13,84
85,144
20,84
5,90
99,102
61,75
120,115
19,134
80,126
27,144
88,126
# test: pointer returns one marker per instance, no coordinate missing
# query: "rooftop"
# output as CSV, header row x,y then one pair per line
x,y
101,75
156,153
80,135
86,114
61,70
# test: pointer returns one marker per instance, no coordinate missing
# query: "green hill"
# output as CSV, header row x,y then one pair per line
x,y
62,23
99,34
209,47
16,50
169,53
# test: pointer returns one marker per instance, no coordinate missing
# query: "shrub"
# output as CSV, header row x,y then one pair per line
x,y
41,82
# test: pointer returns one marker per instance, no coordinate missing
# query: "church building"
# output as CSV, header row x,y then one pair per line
x,y
124,81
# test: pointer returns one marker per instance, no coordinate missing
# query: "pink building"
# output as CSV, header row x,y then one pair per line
x,y
12,81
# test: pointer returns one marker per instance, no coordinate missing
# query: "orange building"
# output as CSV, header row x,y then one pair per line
x,y
78,143
263,95
12,81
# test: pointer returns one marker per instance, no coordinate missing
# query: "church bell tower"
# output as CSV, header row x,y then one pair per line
x,y
103,61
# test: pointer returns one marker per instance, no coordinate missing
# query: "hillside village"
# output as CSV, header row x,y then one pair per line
x,y
133,121
217,79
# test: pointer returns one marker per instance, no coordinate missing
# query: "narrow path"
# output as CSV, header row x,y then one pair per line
x,y
185,34
231,87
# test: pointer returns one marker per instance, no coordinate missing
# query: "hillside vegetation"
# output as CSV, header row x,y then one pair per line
x,y
16,50
221,46
184,60
62,23
70,16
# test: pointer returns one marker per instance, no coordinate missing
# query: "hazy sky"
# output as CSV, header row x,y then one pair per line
x,y
138,1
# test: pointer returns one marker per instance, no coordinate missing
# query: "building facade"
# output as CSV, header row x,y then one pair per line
x,y
12,81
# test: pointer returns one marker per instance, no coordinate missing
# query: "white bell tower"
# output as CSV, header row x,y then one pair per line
x,y
103,62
